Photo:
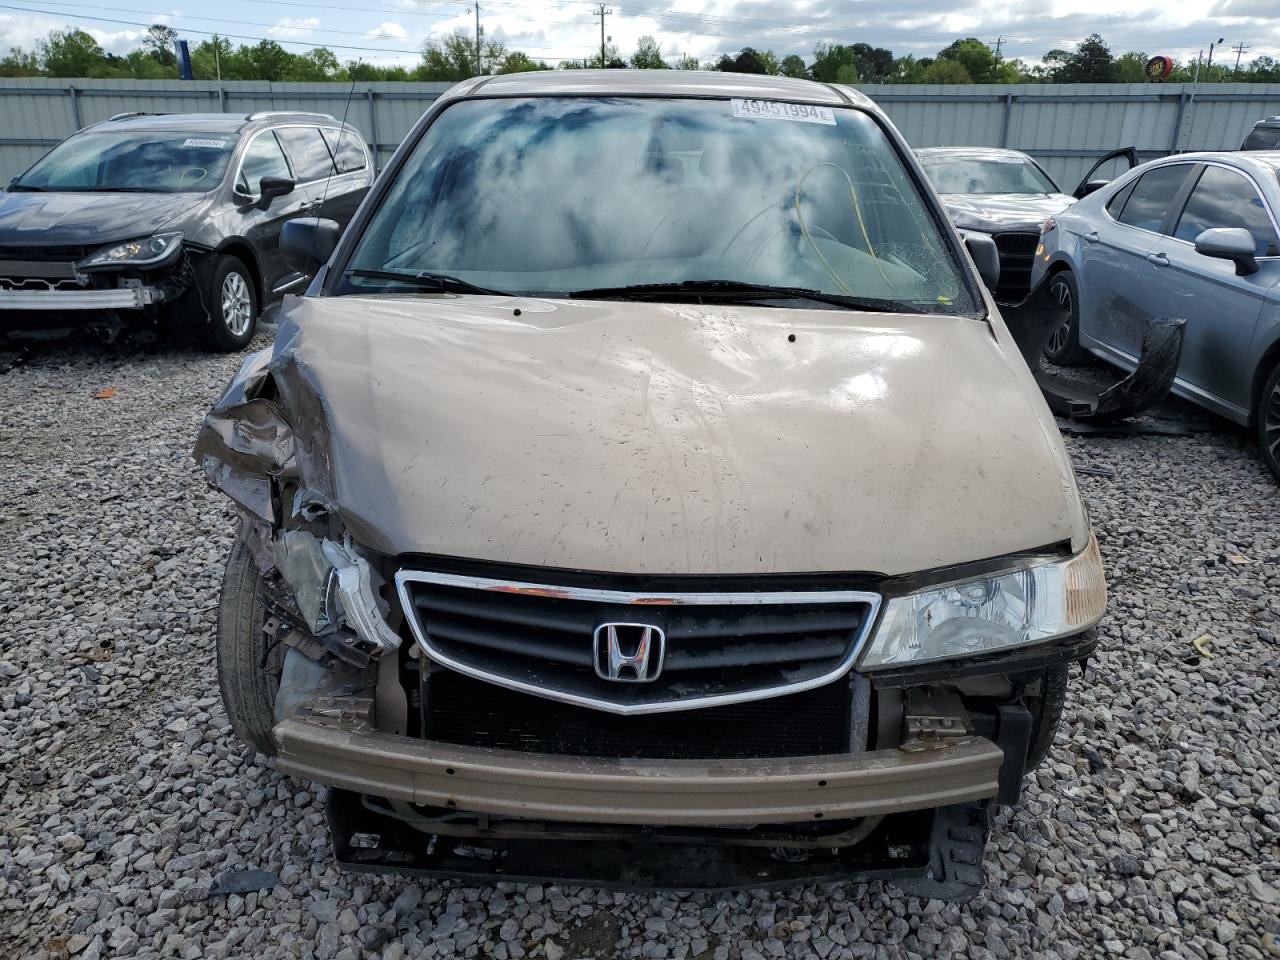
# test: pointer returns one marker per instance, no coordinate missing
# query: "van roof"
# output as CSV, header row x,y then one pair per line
x,y
675,83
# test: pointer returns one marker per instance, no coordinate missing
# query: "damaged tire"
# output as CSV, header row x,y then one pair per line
x,y
249,661
1063,346
229,304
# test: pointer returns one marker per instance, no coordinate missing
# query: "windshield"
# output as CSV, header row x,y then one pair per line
x,y
145,161
552,196
1001,174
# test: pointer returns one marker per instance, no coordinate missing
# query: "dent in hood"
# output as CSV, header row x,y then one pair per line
x,y
44,219
653,439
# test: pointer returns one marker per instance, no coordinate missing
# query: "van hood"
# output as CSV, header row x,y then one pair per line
x,y
669,439
47,219
994,212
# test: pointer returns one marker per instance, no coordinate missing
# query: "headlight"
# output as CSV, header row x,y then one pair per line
x,y
148,251
1052,598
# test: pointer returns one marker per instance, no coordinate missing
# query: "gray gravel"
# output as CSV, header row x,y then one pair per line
x,y
1151,831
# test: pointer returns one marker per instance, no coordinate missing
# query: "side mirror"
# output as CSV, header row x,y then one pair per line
x,y
1229,243
272,187
985,257
1090,186
308,242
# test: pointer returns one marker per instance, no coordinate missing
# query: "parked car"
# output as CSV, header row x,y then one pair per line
x,y
1265,135
177,216
608,492
1192,236
1006,194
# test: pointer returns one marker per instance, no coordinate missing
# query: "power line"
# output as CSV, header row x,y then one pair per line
x,y
185,29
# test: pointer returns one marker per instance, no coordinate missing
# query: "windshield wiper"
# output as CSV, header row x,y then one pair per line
x,y
740,289
24,188
426,280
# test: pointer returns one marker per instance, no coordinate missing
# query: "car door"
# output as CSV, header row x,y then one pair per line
x,y
1116,281
264,157
311,163
1221,307
353,173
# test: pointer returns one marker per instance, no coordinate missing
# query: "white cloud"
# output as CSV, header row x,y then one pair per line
x,y
293,28
388,30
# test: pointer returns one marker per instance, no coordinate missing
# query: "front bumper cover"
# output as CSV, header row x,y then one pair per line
x,y
121,298
638,792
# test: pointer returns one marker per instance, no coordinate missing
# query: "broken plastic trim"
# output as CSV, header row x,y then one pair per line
x,y
1031,323
357,597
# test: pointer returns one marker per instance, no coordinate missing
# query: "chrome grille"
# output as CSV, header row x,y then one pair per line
x,y
721,647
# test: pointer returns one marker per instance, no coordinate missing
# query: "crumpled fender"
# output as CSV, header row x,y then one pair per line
x,y
248,447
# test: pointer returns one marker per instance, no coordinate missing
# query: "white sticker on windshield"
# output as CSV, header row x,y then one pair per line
x,y
202,142
776,110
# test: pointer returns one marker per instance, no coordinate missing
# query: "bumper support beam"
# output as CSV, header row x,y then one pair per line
x,y
655,792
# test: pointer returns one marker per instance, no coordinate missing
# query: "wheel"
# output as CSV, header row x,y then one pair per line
x,y
229,306
1268,417
1064,347
249,663
1052,700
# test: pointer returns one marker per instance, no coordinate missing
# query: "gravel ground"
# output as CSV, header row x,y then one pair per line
x,y
1151,831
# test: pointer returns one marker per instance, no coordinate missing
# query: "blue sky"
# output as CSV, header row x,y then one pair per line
x,y
390,30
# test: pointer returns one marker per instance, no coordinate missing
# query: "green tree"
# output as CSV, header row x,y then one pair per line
x,y
454,58
793,66
1090,62
20,63
158,41
519,62
687,62
865,63
647,55
1130,67
979,62
317,64
946,71
71,53
748,60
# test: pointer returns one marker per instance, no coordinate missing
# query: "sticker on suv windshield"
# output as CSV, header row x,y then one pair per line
x,y
202,142
776,110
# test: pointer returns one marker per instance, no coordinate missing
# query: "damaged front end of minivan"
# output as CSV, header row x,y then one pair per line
x,y
454,745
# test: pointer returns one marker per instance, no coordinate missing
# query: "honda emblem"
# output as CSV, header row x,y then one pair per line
x,y
629,652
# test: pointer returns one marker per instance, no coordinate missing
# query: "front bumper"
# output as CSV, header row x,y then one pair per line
x,y
121,298
640,792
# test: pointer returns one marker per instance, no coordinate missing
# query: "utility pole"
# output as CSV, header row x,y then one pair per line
x,y
601,11
1209,64
1239,48
478,68
999,44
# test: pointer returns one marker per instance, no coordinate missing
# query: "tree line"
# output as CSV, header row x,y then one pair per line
x,y
75,53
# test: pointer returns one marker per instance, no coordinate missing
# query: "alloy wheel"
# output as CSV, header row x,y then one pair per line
x,y
237,304
1061,294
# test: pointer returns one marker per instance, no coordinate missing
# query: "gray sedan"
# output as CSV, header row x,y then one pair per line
x,y
1192,236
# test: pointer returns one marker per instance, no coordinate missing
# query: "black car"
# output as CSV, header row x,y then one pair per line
x,y
1008,195
172,217
1265,135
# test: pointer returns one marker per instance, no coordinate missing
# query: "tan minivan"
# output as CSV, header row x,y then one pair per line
x,y
647,492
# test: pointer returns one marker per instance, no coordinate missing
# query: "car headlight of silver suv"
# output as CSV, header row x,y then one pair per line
x,y
144,252
1041,601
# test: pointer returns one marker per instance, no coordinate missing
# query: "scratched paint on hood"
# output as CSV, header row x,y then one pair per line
x,y
650,438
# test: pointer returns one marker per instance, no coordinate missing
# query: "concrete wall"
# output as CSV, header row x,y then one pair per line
x,y
1064,126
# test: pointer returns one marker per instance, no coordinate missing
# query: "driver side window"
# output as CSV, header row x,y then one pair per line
x,y
1225,198
263,158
